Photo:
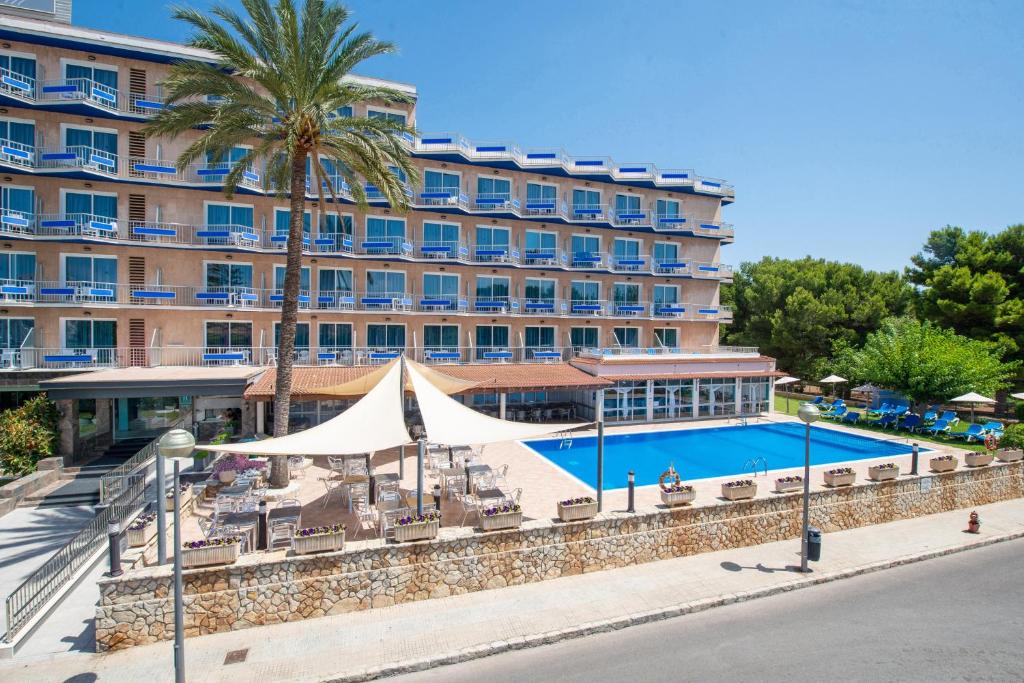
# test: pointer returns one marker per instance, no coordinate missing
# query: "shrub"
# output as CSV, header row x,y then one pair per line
x,y
1013,437
28,434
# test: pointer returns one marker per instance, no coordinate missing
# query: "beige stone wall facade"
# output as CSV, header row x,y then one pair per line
x,y
137,608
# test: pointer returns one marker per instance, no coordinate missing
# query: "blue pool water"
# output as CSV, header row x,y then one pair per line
x,y
711,452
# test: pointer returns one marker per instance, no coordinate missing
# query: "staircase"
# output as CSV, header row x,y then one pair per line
x,y
81,485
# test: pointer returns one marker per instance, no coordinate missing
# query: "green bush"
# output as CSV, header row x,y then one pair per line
x,y
28,434
1013,437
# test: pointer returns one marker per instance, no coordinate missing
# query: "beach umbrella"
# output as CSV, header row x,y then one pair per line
x,y
783,381
972,398
833,380
1019,396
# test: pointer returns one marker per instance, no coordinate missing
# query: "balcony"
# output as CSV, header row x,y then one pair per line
x,y
494,253
635,263
589,213
588,260
631,218
79,95
500,203
441,197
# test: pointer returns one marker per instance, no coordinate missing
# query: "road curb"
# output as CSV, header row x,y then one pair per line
x,y
637,618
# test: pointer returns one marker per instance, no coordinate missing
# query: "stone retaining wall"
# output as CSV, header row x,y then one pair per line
x,y
137,607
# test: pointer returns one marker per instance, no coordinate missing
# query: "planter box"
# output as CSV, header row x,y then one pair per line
x,y
504,520
840,479
1010,454
883,473
140,537
942,465
574,513
739,492
303,545
677,497
417,532
977,459
786,486
204,557
185,497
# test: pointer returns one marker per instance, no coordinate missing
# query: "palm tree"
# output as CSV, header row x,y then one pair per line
x,y
278,81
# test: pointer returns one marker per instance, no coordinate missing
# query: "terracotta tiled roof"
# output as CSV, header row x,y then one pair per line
x,y
491,377
690,375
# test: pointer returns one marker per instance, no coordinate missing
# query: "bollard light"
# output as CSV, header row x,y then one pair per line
x,y
114,547
632,491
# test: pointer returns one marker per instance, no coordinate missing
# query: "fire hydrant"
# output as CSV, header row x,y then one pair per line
x,y
973,523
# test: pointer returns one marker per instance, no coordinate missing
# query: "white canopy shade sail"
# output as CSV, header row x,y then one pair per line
x,y
448,422
787,380
972,397
376,422
1019,397
833,379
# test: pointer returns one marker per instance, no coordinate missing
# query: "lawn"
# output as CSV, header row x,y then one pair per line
x,y
794,405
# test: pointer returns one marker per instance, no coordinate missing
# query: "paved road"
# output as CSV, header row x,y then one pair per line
x,y
952,618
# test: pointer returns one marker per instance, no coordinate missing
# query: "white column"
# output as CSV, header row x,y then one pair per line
x,y
771,397
696,399
261,416
739,395
650,400
501,404
599,408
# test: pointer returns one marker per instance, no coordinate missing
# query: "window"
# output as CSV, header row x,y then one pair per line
x,y
337,224
666,252
492,238
229,214
283,218
673,398
492,336
20,132
440,286
441,182
539,337
17,201
585,245
385,336
585,291
392,229
90,204
18,266
754,394
542,194
441,234
586,199
226,335
541,245
304,278
540,290
301,335
387,115
90,334
492,288
441,336
335,280
626,249
667,337
385,283
342,112
335,335
628,337
232,156
14,331
105,77
493,189
627,204
86,143
626,294
716,397
19,66
585,337
627,401
665,295
668,208
224,275
90,269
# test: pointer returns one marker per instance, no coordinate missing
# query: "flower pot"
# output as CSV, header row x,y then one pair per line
x,y
739,492
214,554
1009,454
786,486
502,520
227,476
938,465
977,459
303,545
417,532
140,537
883,473
845,479
673,498
574,513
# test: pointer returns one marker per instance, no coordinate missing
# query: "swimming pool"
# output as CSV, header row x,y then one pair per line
x,y
708,452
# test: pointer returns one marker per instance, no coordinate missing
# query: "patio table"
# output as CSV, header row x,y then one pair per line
x,y
245,521
475,472
491,496
384,478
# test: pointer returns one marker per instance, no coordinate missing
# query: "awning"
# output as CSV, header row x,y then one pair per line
x,y
151,382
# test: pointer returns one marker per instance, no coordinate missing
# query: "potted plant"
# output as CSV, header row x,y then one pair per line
x,y
792,483
184,493
943,463
317,539
840,476
417,527
739,489
141,530
677,494
1009,454
883,472
978,459
228,467
575,509
505,516
208,552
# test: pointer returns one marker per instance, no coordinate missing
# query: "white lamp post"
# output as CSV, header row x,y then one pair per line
x,y
177,445
807,413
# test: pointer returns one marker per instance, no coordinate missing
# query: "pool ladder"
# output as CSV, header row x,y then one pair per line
x,y
754,462
566,438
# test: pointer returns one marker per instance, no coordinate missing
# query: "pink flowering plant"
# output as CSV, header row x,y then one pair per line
x,y
583,500
236,462
425,518
320,530
210,543
501,509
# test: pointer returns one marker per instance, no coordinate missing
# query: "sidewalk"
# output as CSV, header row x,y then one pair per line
x,y
406,637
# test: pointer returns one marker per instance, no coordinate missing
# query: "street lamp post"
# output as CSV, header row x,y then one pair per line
x,y
177,445
807,413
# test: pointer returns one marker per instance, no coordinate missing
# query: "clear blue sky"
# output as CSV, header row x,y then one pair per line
x,y
850,129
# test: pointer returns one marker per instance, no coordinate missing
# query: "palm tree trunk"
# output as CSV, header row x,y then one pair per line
x,y
289,315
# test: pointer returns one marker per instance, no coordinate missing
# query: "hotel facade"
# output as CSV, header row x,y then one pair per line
x,y
130,289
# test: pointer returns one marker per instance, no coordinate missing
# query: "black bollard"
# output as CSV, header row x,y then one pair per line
x,y
632,490
114,547
437,496
913,460
261,527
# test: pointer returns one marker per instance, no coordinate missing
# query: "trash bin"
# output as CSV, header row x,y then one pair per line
x,y
813,544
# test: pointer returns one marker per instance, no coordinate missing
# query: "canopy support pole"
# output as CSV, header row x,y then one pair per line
x,y
421,451
600,464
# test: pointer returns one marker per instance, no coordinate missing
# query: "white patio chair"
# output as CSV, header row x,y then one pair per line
x,y
289,503
470,504
330,486
206,526
498,478
281,534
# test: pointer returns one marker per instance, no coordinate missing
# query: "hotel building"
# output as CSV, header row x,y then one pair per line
x,y
129,289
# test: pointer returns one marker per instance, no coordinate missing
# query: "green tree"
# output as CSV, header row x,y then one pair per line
x,y
28,434
799,310
926,363
973,282
279,81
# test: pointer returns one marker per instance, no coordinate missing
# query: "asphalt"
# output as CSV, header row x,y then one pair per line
x,y
958,617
